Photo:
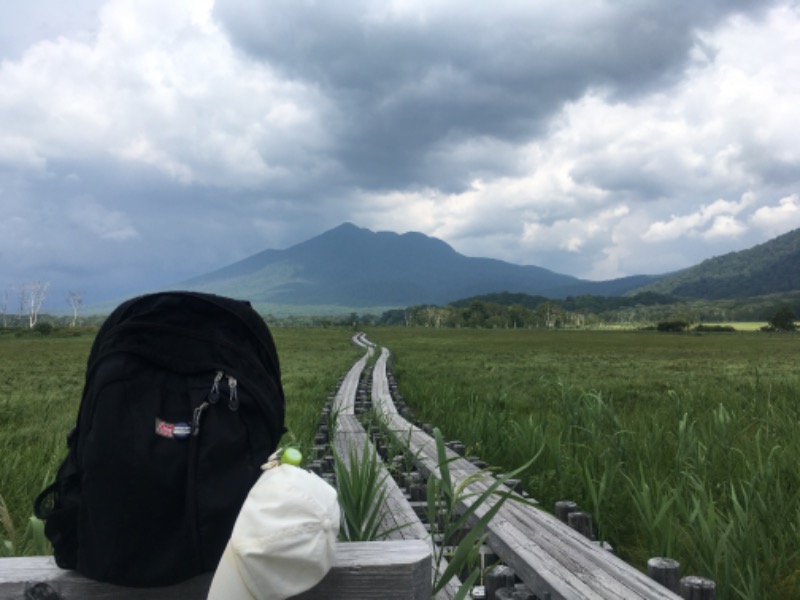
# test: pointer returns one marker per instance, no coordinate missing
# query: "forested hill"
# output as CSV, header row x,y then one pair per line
x,y
587,303
769,268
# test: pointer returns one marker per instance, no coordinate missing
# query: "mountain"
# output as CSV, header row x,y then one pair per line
x,y
769,268
355,267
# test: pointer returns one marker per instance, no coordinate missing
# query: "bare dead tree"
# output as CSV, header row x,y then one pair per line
x,y
75,300
4,305
31,297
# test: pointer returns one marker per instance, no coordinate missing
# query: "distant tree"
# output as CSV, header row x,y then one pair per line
x,y
477,314
31,296
518,315
549,314
783,319
75,300
4,306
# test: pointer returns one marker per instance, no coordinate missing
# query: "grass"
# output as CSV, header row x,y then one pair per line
x,y
41,380
452,509
680,445
361,486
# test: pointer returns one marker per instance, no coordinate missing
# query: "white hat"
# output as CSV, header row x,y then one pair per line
x,y
283,542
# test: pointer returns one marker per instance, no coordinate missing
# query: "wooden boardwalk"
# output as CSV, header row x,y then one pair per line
x,y
399,521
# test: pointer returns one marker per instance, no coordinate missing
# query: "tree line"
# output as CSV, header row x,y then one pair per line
x,y
507,310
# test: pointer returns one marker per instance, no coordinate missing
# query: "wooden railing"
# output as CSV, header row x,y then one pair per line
x,y
392,569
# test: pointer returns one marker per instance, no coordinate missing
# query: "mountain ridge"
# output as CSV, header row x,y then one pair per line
x,y
351,266
767,268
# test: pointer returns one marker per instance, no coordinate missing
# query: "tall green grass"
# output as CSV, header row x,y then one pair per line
x,y
679,445
41,380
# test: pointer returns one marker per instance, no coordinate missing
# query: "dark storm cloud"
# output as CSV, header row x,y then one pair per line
x,y
411,83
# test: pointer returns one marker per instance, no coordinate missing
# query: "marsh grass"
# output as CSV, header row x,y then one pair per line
x,y
41,380
680,445
361,485
452,508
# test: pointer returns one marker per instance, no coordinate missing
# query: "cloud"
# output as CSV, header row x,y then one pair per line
x,y
160,85
662,158
776,220
98,220
410,75
720,215
144,142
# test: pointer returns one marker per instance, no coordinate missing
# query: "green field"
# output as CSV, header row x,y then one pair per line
x,y
680,445
41,379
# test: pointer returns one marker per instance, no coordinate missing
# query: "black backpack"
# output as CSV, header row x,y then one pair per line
x,y
182,405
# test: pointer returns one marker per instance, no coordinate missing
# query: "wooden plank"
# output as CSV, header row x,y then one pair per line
x,y
548,556
393,570
344,402
366,570
380,391
398,518
399,521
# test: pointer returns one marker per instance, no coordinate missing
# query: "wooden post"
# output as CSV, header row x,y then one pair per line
x,y
665,571
514,485
457,447
698,588
514,593
499,577
582,523
563,508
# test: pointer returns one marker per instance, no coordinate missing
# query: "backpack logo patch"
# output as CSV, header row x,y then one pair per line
x,y
179,431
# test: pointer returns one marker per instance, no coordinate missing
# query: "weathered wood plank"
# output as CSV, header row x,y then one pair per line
x,y
547,555
380,391
399,521
344,402
365,570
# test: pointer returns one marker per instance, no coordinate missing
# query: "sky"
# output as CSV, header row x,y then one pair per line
x,y
145,142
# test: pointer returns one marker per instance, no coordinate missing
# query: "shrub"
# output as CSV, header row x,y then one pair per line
x,y
783,319
672,326
43,328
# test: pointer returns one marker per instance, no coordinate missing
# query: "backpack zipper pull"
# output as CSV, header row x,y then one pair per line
x,y
198,412
233,399
213,395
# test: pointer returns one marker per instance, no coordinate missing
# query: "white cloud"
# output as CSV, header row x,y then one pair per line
x,y
159,85
719,214
776,220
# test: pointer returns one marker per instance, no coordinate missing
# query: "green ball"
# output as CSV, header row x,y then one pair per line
x,y
291,456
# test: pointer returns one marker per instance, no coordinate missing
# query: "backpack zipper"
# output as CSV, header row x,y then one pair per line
x,y
233,399
213,398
